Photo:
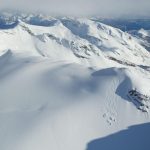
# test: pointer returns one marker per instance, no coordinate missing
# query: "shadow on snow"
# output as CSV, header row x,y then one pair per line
x,y
134,138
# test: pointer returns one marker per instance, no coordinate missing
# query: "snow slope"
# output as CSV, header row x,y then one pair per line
x,y
143,37
65,84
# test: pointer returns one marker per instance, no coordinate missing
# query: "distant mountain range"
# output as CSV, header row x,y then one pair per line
x,y
127,24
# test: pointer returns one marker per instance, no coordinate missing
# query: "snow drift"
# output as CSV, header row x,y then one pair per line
x,y
65,84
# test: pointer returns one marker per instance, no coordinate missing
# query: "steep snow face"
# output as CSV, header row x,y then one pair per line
x,y
65,83
143,37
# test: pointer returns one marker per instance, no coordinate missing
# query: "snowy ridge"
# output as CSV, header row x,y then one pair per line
x,y
86,39
65,81
143,37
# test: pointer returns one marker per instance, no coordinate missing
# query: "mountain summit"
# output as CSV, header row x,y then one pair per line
x,y
65,82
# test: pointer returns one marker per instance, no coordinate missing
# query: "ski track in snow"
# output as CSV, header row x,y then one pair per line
x,y
110,114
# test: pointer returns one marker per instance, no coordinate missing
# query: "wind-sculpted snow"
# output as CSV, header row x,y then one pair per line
x,y
43,103
65,84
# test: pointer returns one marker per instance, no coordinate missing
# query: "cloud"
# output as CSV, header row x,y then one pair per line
x,y
103,8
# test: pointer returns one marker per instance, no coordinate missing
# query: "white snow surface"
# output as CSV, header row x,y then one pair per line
x,y
144,33
142,37
60,90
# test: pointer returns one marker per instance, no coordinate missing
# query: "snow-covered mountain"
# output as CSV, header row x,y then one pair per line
x,y
142,36
65,82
